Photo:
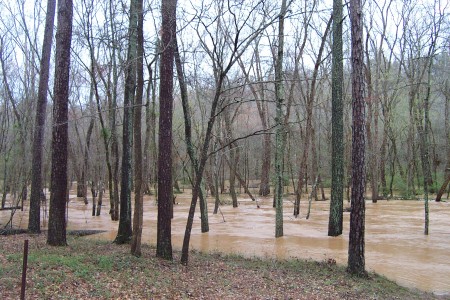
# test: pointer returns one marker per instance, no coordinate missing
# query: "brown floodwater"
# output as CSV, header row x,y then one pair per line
x,y
395,244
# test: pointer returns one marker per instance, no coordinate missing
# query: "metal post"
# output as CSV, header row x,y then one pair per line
x,y
24,270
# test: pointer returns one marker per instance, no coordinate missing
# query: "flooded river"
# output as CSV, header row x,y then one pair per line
x,y
395,244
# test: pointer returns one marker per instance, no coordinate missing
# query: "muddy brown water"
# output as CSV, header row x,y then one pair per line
x,y
395,244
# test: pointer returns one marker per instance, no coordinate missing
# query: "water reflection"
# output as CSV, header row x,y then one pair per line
x,y
395,244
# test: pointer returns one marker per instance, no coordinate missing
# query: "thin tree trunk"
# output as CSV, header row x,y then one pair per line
x,y
309,128
447,138
188,137
370,131
100,198
138,180
241,181
233,157
86,153
124,232
280,131
148,129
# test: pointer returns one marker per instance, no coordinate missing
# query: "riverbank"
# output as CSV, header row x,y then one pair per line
x,y
91,269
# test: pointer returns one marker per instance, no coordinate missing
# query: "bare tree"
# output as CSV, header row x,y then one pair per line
x,y
228,45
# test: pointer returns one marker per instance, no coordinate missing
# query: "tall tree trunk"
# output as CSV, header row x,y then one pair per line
x,y
356,260
124,232
168,38
113,170
335,222
57,220
147,157
138,191
280,131
34,221
425,157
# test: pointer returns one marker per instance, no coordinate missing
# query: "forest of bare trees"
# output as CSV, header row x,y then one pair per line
x,y
222,97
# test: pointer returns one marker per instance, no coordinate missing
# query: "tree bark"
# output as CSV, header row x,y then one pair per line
x,y
57,218
280,131
124,232
168,37
138,180
356,260
34,225
335,222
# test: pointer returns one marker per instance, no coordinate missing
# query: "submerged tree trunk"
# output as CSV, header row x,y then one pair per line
x,y
34,225
335,222
86,151
447,138
100,198
234,156
280,132
57,215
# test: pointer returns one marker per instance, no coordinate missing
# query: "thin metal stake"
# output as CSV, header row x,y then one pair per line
x,y
24,270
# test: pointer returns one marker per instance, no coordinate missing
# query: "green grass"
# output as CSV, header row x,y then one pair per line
x,y
96,269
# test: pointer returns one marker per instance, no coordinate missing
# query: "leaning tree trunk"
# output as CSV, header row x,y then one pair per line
x,y
188,138
34,225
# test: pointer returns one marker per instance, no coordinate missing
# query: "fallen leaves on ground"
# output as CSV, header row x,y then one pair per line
x,y
87,269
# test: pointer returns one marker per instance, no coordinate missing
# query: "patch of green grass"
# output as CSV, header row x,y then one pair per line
x,y
105,263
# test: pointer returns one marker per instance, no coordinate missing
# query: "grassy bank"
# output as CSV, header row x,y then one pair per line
x,y
88,269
